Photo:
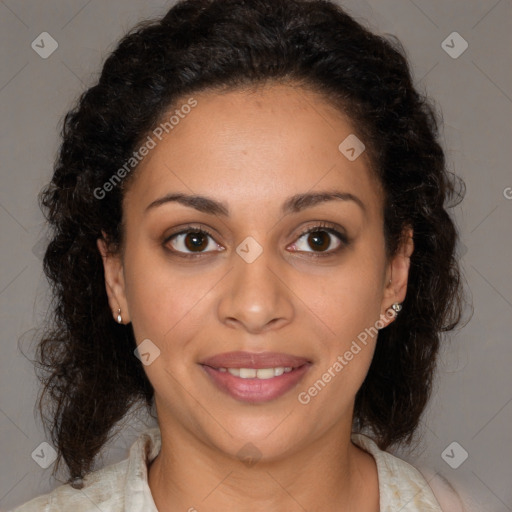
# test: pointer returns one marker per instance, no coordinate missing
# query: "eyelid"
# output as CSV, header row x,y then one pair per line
x,y
329,227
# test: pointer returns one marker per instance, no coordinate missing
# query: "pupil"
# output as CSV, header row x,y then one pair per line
x,y
193,241
317,236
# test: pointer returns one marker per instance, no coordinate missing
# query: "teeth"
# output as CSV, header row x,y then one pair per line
x,y
247,373
264,373
257,373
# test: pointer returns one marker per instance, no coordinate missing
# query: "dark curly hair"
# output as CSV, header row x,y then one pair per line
x,y
90,375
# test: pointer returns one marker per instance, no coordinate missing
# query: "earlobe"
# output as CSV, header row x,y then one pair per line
x,y
399,268
114,281
398,273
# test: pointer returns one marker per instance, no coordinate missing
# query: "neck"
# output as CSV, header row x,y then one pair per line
x,y
330,474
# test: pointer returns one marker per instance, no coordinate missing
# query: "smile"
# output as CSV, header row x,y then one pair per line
x,y
256,385
257,373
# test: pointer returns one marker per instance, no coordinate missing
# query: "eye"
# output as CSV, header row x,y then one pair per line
x,y
191,240
194,241
321,238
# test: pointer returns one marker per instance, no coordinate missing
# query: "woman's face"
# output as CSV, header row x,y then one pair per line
x,y
256,284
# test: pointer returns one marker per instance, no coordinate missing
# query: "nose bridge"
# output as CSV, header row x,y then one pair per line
x,y
255,296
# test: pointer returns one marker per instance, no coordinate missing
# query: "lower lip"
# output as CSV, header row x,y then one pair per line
x,y
256,390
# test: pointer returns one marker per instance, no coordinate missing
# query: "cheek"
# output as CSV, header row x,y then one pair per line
x,y
351,310
165,309
348,299
155,298
166,305
349,304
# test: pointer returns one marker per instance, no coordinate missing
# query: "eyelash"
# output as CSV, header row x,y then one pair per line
x,y
322,226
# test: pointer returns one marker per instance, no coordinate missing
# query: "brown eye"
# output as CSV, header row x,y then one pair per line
x,y
191,241
195,241
319,239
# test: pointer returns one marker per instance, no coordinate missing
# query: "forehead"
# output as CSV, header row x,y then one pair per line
x,y
254,147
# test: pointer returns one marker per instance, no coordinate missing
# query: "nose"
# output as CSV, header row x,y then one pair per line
x,y
256,296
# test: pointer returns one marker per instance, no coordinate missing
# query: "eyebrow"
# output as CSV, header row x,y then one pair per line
x,y
293,204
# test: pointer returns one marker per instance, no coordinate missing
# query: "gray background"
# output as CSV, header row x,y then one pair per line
x,y
472,399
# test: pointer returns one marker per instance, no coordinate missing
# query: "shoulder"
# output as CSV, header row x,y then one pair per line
x,y
448,497
103,490
109,489
403,487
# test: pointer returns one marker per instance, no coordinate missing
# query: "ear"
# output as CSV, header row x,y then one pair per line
x,y
114,280
397,275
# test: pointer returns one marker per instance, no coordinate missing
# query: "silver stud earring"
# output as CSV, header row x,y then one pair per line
x,y
393,311
119,317
395,308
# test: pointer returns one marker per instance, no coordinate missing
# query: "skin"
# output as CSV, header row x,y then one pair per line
x,y
252,150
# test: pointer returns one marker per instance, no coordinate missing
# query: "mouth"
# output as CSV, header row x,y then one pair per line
x,y
255,377
257,373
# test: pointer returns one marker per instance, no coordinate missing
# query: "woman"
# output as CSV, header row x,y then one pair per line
x,y
250,234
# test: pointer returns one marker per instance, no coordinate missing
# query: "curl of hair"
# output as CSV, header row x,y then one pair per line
x,y
91,377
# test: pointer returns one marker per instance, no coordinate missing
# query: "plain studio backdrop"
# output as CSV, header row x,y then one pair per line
x,y
460,55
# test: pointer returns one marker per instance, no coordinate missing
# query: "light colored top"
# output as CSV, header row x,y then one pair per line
x,y
123,487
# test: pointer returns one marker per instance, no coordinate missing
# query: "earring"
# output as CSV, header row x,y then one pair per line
x,y
119,317
395,309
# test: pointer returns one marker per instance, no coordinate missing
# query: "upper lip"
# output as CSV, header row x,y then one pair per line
x,y
254,360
